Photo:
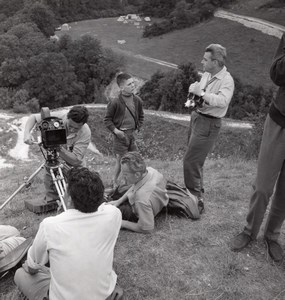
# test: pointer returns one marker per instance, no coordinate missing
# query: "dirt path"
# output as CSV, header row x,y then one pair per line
x,y
255,23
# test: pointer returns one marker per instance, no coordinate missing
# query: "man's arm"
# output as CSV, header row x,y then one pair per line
x,y
224,95
28,138
75,157
145,223
120,200
133,227
37,256
277,70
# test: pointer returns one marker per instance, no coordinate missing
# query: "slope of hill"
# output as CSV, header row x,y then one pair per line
x,y
249,56
258,9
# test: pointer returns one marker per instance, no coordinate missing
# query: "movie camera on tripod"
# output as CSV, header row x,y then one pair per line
x,y
53,135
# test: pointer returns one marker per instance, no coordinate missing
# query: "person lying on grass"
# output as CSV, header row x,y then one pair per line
x,y
146,196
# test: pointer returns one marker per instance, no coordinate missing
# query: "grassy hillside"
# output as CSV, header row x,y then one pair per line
x,y
257,9
181,259
249,53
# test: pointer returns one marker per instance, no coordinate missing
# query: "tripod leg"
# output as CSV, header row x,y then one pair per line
x,y
26,184
60,188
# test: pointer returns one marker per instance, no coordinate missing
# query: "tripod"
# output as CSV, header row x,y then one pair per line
x,y
55,169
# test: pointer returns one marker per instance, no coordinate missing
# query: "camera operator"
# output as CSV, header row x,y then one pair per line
x,y
72,154
78,245
216,89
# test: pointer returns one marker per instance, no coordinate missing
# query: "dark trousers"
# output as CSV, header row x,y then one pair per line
x,y
203,133
270,175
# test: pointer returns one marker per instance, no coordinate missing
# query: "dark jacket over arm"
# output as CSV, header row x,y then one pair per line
x,y
277,74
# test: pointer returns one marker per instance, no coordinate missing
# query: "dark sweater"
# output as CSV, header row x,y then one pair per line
x,y
116,112
277,74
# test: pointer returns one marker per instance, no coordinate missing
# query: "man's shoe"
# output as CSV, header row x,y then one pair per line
x,y
201,206
274,249
240,241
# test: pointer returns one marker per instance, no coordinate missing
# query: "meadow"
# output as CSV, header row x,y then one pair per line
x,y
249,53
181,259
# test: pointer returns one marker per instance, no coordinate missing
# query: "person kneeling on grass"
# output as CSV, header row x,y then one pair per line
x,y
78,245
146,196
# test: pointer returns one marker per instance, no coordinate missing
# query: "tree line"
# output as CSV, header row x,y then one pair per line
x,y
36,71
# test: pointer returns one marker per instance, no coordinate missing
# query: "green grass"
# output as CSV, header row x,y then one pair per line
x,y
249,56
253,8
181,259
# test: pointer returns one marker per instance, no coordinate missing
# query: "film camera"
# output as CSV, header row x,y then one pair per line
x,y
53,134
193,101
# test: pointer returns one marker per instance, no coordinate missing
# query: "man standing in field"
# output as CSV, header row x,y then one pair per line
x,y
270,171
216,89
123,117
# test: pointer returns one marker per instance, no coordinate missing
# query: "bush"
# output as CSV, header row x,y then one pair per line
x,y
249,101
6,98
168,91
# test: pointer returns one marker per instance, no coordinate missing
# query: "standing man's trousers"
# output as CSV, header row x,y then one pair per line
x,y
203,133
270,171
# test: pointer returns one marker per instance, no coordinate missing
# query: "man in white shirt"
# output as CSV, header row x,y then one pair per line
x,y
78,245
216,89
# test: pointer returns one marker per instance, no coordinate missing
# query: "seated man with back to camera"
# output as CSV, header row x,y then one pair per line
x,y
72,154
146,197
78,244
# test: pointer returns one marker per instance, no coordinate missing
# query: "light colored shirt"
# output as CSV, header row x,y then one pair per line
x,y
78,142
148,197
80,249
218,93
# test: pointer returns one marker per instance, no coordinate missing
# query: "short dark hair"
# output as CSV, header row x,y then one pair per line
x,y
134,161
122,77
85,188
78,114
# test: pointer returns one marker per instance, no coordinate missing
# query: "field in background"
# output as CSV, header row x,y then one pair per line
x,y
181,259
249,51
252,8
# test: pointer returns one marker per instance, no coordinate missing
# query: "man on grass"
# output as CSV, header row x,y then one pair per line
x,y
78,245
145,198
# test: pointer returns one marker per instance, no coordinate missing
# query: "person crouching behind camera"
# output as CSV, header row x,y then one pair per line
x,y
78,244
216,88
145,198
72,154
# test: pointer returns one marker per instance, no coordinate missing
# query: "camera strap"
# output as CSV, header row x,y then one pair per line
x,y
132,114
209,82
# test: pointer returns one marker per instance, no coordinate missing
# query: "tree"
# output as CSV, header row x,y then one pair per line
x,y
9,46
52,81
13,72
43,17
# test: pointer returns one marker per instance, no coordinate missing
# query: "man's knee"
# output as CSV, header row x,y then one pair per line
x,y
19,278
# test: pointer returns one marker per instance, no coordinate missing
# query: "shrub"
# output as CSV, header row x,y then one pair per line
x,y
6,98
168,91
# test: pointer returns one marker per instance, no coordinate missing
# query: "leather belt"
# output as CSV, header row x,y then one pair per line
x,y
207,116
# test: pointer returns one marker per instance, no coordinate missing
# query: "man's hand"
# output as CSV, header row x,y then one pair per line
x,y
196,89
114,202
29,269
119,133
29,139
